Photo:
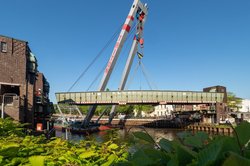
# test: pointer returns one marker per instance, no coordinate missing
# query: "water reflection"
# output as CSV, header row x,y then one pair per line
x,y
123,134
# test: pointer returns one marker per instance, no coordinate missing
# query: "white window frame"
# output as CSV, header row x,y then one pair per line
x,y
3,49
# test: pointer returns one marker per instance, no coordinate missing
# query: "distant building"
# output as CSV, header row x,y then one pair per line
x,y
21,84
245,106
243,113
159,111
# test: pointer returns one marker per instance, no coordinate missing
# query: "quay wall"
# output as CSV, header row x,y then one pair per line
x,y
210,128
163,123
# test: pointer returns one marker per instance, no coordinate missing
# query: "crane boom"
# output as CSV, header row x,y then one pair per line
x,y
136,10
137,40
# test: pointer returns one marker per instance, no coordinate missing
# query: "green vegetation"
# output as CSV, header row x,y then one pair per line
x,y
125,109
194,150
84,109
188,149
18,149
233,102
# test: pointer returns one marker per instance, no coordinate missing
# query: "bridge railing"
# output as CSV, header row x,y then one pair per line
x,y
134,97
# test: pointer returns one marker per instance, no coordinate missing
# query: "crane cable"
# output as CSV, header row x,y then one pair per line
x,y
96,57
146,77
96,78
150,83
133,76
100,72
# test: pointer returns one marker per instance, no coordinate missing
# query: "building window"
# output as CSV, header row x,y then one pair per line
x,y
3,47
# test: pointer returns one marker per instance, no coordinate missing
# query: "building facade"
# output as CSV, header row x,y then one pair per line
x,y
245,106
19,81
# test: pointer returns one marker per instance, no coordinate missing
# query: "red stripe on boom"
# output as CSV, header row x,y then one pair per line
x,y
126,27
131,18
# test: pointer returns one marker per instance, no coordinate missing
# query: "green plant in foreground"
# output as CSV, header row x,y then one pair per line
x,y
17,149
9,127
188,149
194,150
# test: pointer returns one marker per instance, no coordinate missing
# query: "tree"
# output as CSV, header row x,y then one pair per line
x,y
144,108
84,109
233,102
126,109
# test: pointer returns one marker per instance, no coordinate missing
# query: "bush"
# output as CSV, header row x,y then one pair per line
x,y
194,150
18,149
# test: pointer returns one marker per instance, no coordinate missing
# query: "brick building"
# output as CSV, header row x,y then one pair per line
x,y
21,85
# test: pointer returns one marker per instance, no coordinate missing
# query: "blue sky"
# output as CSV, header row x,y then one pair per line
x,y
189,44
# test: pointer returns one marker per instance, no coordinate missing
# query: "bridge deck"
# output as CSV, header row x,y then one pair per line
x,y
139,97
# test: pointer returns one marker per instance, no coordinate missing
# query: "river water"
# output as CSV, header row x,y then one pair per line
x,y
126,134
122,134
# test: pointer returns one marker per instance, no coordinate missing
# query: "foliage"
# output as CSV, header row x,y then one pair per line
x,y
144,108
99,109
55,109
197,149
18,149
84,109
8,127
233,102
126,109
189,149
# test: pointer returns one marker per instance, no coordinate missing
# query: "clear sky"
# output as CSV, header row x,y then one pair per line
x,y
189,44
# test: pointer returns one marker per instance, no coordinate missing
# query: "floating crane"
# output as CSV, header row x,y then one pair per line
x,y
138,13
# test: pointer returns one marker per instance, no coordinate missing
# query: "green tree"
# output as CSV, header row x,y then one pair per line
x,y
144,108
56,109
126,109
83,109
233,102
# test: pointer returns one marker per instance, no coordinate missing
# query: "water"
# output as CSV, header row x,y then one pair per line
x,y
123,134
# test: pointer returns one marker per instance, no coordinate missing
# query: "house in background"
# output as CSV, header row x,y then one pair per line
x,y
20,84
161,110
244,111
245,106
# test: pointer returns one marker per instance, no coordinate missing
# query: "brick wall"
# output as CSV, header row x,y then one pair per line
x,y
39,81
16,68
13,62
13,110
13,70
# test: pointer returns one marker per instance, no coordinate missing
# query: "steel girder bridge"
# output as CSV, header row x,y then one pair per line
x,y
139,97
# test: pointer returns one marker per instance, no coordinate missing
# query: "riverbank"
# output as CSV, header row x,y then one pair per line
x,y
166,123
210,128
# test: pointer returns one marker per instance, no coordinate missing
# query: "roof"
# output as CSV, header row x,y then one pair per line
x,y
13,38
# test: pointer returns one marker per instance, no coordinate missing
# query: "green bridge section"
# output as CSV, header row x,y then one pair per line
x,y
140,97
